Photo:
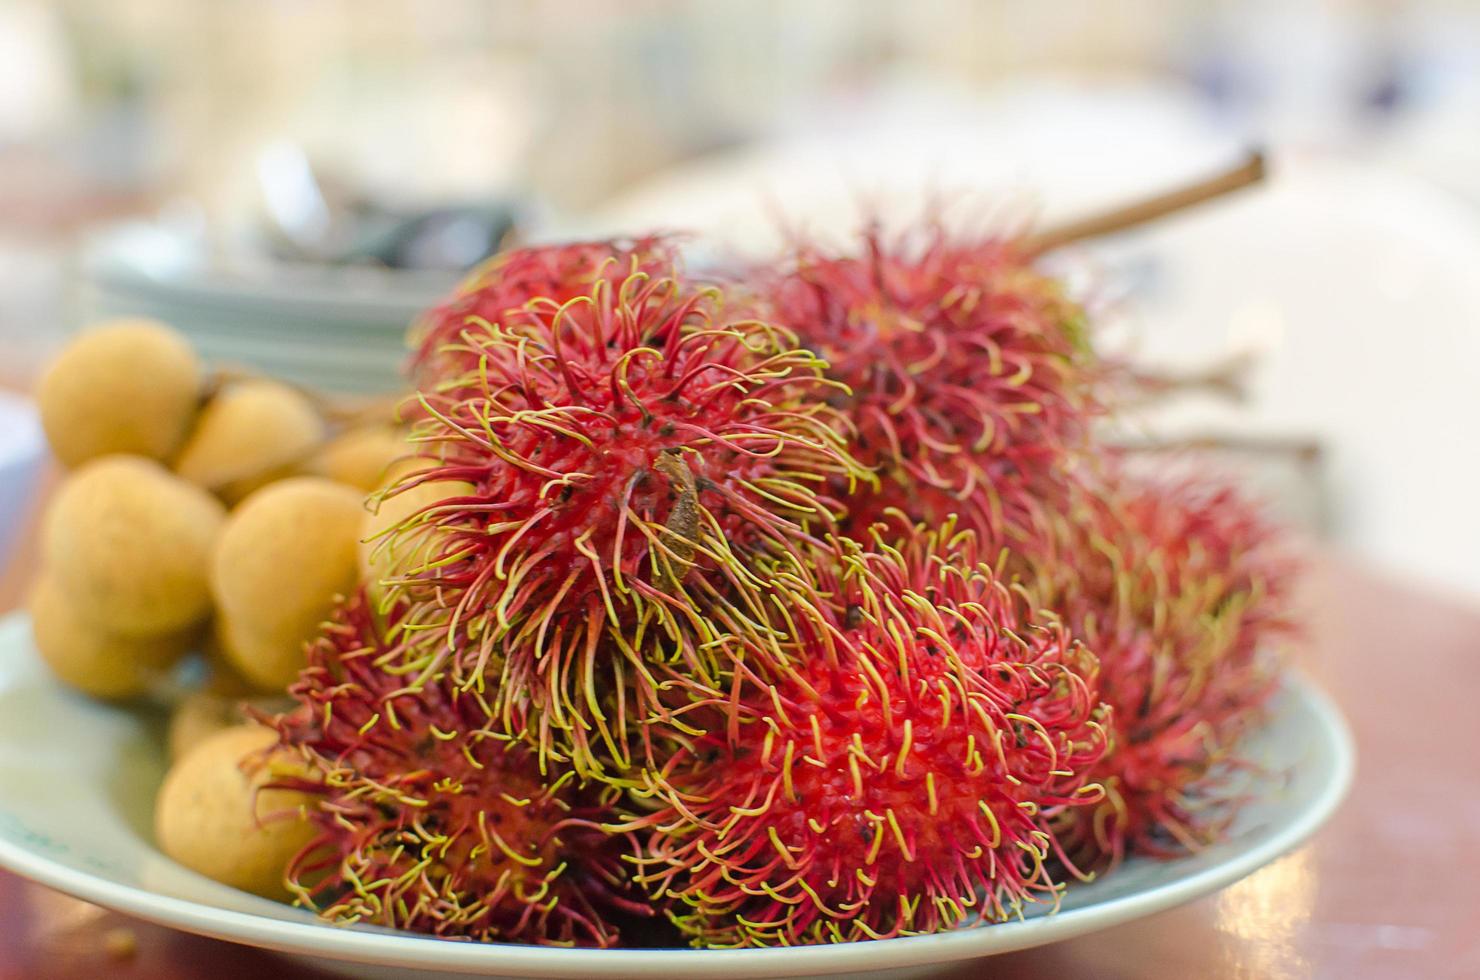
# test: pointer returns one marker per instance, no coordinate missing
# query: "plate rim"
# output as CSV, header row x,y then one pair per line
x,y
411,952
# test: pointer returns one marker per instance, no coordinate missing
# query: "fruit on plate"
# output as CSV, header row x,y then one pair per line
x,y
250,433
1182,587
123,386
430,819
216,814
633,452
129,544
814,608
500,289
360,456
92,659
201,713
386,554
968,373
285,555
901,778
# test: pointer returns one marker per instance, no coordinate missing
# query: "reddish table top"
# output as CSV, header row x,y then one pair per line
x,y
1386,890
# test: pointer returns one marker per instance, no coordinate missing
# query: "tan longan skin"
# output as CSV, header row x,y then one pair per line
x,y
360,457
124,386
267,661
196,717
210,817
286,554
218,702
92,660
130,544
249,434
200,714
380,555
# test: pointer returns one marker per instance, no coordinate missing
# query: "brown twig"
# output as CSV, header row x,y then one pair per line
x,y
1251,171
1302,449
1227,378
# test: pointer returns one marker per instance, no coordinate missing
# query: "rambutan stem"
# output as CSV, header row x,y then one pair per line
x,y
1249,172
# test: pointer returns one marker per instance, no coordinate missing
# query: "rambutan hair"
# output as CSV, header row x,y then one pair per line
x,y
430,818
633,455
970,375
900,776
1181,588
503,285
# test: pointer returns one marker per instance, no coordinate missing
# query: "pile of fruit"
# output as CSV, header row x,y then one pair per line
x,y
802,605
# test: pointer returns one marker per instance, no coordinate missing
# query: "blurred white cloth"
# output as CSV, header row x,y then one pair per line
x,y
1048,147
37,77
1355,288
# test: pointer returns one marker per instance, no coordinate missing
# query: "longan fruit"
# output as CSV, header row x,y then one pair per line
x,y
200,714
212,816
380,555
284,557
130,543
196,717
360,456
269,659
124,386
91,659
249,434
217,702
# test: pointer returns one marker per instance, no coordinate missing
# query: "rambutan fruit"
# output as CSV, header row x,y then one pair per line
x,y
505,284
968,371
1182,590
900,778
633,453
431,820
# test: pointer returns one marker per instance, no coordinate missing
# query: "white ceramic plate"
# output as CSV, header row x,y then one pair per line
x,y
340,329
77,783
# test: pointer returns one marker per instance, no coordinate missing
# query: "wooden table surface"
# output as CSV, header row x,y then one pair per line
x,y
1387,889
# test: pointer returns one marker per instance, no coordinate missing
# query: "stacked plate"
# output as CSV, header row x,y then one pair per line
x,y
334,329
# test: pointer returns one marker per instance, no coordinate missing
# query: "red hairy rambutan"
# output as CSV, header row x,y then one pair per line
x,y
632,454
969,371
503,285
901,775
432,820
1181,589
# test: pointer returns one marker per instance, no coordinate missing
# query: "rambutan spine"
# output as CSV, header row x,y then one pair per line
x,y
970,372
899,777
1182,589
501,287
633,454
430,818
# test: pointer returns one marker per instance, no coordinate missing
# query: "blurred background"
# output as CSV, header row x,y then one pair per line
x,y
290,180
